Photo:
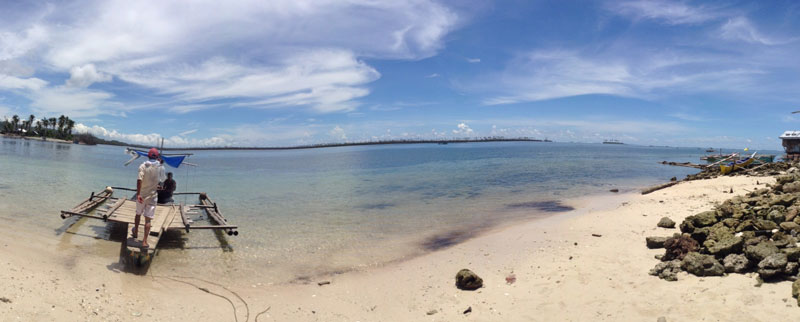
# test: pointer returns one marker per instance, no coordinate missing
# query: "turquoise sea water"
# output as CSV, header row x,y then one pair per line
x,y
308,212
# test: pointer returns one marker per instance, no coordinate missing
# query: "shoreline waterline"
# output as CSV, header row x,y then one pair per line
x,y
302,213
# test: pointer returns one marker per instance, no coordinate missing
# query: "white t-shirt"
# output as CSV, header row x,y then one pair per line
x,y
150,172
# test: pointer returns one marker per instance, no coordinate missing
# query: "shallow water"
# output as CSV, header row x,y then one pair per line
x,y
308,212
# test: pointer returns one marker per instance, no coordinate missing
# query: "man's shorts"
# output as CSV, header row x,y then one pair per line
x,y
148,209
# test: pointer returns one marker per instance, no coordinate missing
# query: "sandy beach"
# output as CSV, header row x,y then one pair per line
x,y
563,273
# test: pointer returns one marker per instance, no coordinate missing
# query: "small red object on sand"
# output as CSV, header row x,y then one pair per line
x,y
510,279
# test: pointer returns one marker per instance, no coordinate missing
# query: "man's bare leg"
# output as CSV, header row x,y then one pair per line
x,y
135,226
146,231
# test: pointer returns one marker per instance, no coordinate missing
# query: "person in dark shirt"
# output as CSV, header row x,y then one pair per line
x,y
167,188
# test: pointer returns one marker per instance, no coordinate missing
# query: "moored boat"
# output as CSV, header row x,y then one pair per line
x,y
730,167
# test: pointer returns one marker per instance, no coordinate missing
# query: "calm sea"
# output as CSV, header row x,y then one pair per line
x,y
308,212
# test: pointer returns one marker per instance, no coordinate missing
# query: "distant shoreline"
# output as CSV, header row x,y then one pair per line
x,y
35,138
334,145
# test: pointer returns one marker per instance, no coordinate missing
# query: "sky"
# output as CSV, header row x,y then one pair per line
x,y
279,73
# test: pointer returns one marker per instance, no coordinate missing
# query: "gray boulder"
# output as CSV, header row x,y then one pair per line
x,y
727,246
789,226
467,280
793,254
702,265
791,268
760,251
667,270
796,288
772,266
655,242
665,222
736,263
776,216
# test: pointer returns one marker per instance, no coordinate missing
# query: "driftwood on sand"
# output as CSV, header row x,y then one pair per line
x,y
659,187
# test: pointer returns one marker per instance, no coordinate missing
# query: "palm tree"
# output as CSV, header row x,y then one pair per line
x,y
46,124
70,125
62,120
39,127
30,121
53,122
14,122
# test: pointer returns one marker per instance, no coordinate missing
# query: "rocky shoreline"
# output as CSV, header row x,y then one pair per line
x,y
756,233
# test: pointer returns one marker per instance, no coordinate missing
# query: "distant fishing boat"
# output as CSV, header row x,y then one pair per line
x,y
710,150
728,168
612,141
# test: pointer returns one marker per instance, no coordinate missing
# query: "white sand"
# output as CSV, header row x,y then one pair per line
x,y
599,279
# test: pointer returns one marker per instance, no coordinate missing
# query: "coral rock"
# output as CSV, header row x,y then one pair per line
x,y
467,280
702,265
665,222
655,242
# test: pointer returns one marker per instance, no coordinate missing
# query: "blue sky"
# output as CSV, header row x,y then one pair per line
x,y
271,73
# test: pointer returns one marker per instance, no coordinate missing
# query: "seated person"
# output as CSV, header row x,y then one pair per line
x,y
166,189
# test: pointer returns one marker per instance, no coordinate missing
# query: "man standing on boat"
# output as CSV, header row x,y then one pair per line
x,y
150,173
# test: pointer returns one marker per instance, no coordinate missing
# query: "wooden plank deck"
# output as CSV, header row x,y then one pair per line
x,y
167,217
124,211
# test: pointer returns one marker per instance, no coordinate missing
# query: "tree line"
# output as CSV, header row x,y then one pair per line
x,y
58,128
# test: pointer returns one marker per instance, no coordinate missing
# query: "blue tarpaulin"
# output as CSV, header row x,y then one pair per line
x,y
173,161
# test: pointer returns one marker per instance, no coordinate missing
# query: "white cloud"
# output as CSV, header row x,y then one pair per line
x,y
151,138
5,111
463,129
669,12
740,28
543,75
13,82
473,60
434,75
267,54
73,102
15,44
338,133
83,76
185,133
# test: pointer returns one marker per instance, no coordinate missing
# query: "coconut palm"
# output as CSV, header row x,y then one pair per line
x,y
70,126
53,122
30,121
62,120
15,122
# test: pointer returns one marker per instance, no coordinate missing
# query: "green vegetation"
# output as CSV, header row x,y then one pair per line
x,y
54,128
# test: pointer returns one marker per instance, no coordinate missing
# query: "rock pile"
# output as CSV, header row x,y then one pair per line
x,y
769,169
757,232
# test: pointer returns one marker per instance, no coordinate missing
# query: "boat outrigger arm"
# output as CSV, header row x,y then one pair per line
x,y
172,159
168,217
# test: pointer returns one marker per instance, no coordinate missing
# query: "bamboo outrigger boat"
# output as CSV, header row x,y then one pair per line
x,y
168,217
728,168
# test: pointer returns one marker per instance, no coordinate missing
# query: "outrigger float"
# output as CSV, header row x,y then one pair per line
x,y
168,217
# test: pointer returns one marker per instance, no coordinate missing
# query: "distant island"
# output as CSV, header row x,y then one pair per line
x,y
383,142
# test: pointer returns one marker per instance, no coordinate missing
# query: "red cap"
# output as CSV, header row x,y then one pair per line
x,y
153,153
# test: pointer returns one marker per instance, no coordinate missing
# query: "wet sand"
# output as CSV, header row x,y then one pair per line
x,y
563,273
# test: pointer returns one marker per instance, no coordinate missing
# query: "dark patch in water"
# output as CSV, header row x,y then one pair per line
x,y
377,206
448,239
546,206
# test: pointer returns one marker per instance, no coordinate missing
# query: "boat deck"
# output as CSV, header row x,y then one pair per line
x,y
167,217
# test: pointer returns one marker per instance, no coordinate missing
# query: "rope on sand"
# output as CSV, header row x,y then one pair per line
x,y
262,312
235,315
